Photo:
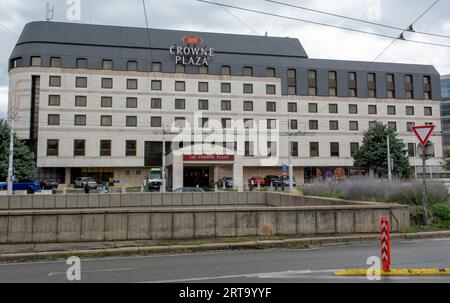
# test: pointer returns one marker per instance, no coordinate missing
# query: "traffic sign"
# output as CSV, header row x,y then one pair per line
x,y
423,133
385,244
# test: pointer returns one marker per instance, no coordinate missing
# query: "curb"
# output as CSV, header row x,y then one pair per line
x,y
265,244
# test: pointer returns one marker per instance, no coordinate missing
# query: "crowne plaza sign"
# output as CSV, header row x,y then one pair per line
x,y
192,52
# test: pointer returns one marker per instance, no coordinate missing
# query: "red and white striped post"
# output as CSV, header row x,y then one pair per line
x,y
385,244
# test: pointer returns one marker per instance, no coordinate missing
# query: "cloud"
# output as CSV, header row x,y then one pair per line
x,y
3,102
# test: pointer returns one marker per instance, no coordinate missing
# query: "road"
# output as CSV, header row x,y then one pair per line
x,y
248,266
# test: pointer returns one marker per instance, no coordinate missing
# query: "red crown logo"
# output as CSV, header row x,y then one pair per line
x,y
192,40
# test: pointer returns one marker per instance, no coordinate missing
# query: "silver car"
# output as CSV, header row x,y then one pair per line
x,y
82,181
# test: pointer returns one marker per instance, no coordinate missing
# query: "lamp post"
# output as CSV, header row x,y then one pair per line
x,y
11,154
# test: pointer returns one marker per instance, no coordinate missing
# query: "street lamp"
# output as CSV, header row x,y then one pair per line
x,y
11,118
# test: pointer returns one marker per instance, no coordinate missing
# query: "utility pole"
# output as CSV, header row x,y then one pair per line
x,y
163,171
424,193
11,154
389,159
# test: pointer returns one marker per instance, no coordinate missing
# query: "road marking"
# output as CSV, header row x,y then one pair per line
x,y
52,274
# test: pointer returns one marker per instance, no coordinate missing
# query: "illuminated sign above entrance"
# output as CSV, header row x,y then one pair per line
x,y
193,52
208,158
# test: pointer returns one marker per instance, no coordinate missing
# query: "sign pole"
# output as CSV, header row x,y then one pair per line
x,y
424,193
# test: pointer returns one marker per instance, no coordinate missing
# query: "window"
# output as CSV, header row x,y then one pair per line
x,y
410,125
391,110
225,88
392,125
204,122
292,82
132,84
180,104
271,124
293,124
132,66
372,124
226,70
156,103
372,85
373,110
333,108
79,148
35,61
354,146
312,107
203,104
203,87
16,62
353,109
53,119
107,83
52,148
80,120
107,64
248,106
106,102
409,87
180,86
132,102
106,121
248,71
271,149
180,121
105,148
156,85
130,148
155,122
248,123
203,69
226,123
270,72
294,149
411,150
55,62
292,107
80,101
270,89
334,149
131,121
354,125
334,125
312,82
55,81
226,105
427,87
314,149
428,111
390,79
249,149
271,106
313,124
54,100
81,82
332,83
82,63
410,111
157,67
179,68
352,85
248,88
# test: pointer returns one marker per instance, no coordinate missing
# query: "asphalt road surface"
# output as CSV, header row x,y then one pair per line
x,y
247,266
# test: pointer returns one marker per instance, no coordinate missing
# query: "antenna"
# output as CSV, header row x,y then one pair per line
x,y
49,11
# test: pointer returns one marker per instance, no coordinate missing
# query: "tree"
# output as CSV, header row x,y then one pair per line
x,y
373,152
446,163
24,163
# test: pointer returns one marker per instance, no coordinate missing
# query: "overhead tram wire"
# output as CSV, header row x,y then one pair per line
x,y
401,37
237,18
148,29
410,29
322,24
9,31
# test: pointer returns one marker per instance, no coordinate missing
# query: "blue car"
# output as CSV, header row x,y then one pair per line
x,y
30,187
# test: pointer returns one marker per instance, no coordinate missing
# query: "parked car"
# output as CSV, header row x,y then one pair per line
x,y
257,181
286,181
81,182
228,182
189,190
272,179
30,186
48,184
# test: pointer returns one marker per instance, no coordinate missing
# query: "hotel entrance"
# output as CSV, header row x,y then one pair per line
x,y
197,176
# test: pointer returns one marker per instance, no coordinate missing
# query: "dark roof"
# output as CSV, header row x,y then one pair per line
x,y
132,37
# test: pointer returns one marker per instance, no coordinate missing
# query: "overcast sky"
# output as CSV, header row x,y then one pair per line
x,y
318,41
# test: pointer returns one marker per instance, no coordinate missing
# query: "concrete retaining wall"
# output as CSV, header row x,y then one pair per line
x,y
87,225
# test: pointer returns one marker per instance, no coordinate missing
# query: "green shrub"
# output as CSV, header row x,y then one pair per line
x,y
417,215
441,211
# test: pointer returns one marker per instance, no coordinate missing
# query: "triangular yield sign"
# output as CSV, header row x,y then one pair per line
x,y
423,133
